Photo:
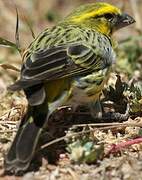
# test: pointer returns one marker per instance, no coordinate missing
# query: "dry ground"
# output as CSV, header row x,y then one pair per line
x,y
124,164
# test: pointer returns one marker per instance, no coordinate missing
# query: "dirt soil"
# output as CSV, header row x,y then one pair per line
x,y
126,162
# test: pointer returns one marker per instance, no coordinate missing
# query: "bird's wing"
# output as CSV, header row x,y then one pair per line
x,y
58,62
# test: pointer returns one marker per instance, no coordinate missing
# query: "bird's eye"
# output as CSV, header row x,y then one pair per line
x,y
109,16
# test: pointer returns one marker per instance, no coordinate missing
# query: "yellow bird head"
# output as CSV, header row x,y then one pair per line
x,y
102,17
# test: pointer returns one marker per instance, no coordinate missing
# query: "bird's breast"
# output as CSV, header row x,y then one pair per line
x,y
88,88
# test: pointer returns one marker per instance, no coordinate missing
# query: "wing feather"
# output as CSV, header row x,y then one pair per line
x,y
64,60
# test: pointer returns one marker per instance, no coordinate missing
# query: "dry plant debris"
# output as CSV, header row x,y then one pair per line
x,y
85,149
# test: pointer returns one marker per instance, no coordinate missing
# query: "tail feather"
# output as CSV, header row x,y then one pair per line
x,y
24,145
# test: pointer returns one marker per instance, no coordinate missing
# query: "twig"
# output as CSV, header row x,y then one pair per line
x,y
82,132
118,147
53,142
8,131
9,122
109,124
10,113
9,66
17,29
29,26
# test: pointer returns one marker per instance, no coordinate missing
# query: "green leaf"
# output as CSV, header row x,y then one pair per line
x,y
6,43
17,29
93,155
140,132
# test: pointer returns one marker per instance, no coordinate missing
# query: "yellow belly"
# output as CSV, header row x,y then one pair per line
x,y
76,91
88,88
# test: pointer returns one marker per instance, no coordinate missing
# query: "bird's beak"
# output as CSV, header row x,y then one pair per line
x,y
124,20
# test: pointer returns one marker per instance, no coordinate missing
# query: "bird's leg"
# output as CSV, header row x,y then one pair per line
x,y
96,109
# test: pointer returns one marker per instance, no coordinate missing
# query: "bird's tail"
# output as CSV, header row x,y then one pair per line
x,y
24,145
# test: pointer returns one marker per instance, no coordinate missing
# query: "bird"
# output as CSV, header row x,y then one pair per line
x,y
67,63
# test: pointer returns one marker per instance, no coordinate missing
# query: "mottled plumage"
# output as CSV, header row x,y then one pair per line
x,y
68,63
